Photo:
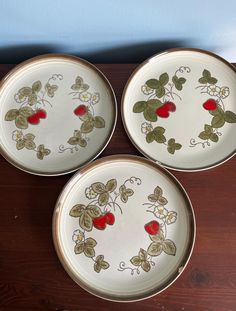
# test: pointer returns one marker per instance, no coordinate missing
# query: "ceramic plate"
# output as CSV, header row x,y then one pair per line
x,y
179,109
57,113
124,228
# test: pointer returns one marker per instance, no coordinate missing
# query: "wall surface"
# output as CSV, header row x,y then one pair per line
x,y
114,31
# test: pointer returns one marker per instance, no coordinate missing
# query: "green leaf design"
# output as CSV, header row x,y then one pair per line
x,y
145,266
36,87
230,117
158,237
20,144
218,121
154,249
86,117
29,136
103,198
214,137
85,221
139,106
150,115
11,114
164,78
154,103
82,143
173,146
77,210
30,145
73,140
111,185
93,211
153,83
25,91
212,80
98,187
203,80
182,80
178,86
160,91
32,99
150,137
87,127
79,248
206,73
26,111
208,128
99,122
21,122
105,265
90,242
100,264
97,267
159,137
89,251
142,254
169,247
158,191
136,261
218,111
152,197
204,135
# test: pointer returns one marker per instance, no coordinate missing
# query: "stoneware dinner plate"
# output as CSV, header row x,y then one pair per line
x,y
124,228
57,113
179,108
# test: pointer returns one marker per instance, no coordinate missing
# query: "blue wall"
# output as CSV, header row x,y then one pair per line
x,y
114,31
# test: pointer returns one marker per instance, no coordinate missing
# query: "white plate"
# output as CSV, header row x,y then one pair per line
x,y
124,228
179,108
57,113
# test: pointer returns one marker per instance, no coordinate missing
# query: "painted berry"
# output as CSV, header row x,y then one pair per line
x,y
170,106
80,110
163,111
33,119
210,104
41,114
152,227
100,222
110,218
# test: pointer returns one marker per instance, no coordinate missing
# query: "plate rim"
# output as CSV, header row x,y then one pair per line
x,y
79,60
180,169
63,257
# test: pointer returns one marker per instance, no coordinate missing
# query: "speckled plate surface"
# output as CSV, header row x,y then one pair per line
x,y
124,228
179,108
57,113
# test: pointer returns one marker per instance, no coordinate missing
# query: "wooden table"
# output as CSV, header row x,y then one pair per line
x,y
32,278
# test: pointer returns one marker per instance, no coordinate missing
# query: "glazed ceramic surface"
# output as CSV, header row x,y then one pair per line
x,y
57,113
179,109
124,228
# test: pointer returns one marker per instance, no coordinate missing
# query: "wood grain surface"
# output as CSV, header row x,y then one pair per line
x,y
32,278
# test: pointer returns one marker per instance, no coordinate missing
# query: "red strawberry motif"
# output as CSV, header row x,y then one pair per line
x,y
110,218
152,227
80,110
163,111
33,119
100,222
170,106
210,104
41,114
